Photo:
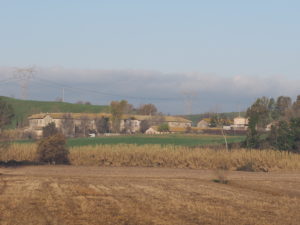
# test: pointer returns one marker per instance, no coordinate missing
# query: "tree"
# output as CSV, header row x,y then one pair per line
x,y
6,113
295,130
147,109
53,150
214,121
67,125
102,125
83,127
285,131
145,125
259,113
282,105
253,137
272,109
285,135
49,130
296,107
281,136
117,110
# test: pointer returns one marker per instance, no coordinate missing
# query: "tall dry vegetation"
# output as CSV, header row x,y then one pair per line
x,y
167,156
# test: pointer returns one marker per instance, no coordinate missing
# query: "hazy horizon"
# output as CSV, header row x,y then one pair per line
x,y
218,54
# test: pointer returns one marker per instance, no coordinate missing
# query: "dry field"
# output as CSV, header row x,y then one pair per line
x,y
136,196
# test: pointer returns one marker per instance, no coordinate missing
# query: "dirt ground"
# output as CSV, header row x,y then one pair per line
x,y
136,196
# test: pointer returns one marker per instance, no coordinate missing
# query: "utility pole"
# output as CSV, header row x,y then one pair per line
x,y
188,101
63,95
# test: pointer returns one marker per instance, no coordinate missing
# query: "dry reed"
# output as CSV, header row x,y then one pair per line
x,y
166,156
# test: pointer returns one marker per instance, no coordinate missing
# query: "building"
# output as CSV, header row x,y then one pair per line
x,y
72,124
203,124
240,123
152,130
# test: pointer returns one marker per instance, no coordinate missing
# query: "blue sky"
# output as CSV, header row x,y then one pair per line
x,y
213,38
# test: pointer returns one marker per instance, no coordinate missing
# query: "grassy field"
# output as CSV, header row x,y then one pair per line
x,y
24,108
55,195
183,140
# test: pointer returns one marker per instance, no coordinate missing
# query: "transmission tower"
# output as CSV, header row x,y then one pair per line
x,y
23,75
188,101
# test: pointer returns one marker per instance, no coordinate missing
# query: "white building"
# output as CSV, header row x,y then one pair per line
x,y
203,124
240,123
128,123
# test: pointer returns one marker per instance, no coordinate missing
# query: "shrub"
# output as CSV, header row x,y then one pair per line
x,y
221,176
53,150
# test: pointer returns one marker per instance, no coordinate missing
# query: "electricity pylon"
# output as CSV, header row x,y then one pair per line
x,y
188,101
23,75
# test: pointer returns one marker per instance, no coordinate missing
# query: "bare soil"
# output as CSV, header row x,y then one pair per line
x,y
136,196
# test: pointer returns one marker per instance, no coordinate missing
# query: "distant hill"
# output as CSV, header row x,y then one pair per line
x,y
195,118
24,108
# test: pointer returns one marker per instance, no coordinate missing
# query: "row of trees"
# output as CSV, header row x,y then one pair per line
x,y
119,108
126,108
284,117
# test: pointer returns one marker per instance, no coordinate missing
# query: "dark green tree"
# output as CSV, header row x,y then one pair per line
x,y
283,103
6,113
260,113
49,130
285,139
145,125
102,125
285,135
253,136
295,130
214,121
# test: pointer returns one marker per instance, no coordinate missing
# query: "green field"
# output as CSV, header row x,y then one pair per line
x,y
24,108
185,140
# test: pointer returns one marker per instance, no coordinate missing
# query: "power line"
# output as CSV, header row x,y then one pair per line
x,y
102,93
7,80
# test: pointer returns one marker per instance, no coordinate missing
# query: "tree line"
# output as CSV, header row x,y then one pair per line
x,y
281,117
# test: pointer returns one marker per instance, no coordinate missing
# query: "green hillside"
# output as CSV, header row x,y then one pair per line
x,y
24,108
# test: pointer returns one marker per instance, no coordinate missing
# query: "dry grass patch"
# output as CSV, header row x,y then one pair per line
x,y
166,156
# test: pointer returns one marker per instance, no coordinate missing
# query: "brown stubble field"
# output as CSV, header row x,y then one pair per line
x,y
125,195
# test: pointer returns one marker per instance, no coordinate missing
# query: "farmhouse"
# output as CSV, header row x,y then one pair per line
x,y
72,124
151,130
203,124
240,123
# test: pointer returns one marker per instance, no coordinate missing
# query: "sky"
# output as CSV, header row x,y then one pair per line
x,y
184,56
